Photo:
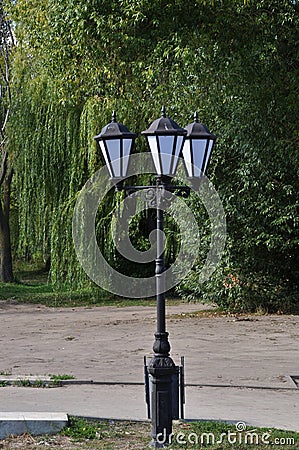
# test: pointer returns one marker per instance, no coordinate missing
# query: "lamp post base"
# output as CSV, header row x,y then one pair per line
x,y
164,396
161,372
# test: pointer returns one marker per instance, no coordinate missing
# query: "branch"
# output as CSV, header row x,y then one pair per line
x,y
3,166
5,120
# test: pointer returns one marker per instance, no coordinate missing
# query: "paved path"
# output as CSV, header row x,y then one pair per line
x,y
237,369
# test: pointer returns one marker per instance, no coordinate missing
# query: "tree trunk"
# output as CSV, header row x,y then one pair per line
x,y
6,271
7,43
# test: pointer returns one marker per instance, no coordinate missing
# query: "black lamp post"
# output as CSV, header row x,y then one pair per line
x,y
167,142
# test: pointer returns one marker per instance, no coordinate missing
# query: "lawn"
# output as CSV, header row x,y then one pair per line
x,y
33,286
123,435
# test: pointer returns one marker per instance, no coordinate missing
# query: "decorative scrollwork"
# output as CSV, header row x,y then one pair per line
x,y
157,196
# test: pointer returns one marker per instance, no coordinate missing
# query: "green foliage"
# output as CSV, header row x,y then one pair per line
x,y
57,378
81,429
233,61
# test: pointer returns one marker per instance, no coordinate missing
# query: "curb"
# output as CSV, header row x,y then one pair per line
x,y
35,423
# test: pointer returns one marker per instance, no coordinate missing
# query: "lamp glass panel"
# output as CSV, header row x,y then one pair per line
x,y
210,146
127,145
198,148
104,152
153,145
166,148
179,142
113,146
187,157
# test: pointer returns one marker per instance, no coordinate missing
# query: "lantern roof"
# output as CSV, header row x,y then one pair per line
x,y
164,126
198,130
115,130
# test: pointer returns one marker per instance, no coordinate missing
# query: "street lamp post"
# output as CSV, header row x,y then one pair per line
x,y
166,142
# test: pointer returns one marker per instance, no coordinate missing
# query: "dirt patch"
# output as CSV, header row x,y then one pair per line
x,y
116,436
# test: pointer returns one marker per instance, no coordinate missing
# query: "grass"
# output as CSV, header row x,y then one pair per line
x,y
40,382
221,436
193,435
121,435
45,294
32,286
61,377
6,372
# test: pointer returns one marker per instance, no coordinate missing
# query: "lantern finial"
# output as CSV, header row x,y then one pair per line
x,y
163,111
196,117
113,116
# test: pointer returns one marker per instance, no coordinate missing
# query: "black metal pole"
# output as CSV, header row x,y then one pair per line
x,y
160,268
161,367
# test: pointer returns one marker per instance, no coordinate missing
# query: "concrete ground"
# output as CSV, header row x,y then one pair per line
x,y
237,368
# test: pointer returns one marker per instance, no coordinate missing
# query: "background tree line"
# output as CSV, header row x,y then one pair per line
x,y
234,61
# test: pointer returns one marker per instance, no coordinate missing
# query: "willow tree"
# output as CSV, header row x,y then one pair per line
x,y
6,170
233,61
